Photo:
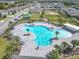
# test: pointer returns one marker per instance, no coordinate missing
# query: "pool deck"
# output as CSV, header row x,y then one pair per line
x,y
28,49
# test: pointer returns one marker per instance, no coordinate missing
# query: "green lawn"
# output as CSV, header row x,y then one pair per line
x,y
35,15
55,18
4,19
1,18
7,18
3,46
7,48
52,17
6,5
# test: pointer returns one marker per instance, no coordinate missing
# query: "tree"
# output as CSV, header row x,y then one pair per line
x,y
54,55
74,42
6,3
2,6
66,48
11,24
27,16
65,44
11,48
42,13
7,56
59,48
28,32
17,39
4,16
9,51
7,34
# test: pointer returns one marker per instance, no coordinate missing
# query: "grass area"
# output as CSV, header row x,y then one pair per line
x,y
57,18
35,15
7,18
3,46
4,19
52,17
6,5
8,47
73,57
1,18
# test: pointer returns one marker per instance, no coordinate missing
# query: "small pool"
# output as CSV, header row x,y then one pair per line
x,y
44,34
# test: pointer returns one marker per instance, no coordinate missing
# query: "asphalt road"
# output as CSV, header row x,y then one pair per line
x,y
4,25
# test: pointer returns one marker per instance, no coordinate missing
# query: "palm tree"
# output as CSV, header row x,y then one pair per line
x,y
28,32
57,33
10,24
42,13
27,15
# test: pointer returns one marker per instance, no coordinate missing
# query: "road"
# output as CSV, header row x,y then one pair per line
x,y
4,25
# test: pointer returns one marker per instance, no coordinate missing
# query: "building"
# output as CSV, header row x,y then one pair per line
x,y
71,12
11,11
5,1
38,7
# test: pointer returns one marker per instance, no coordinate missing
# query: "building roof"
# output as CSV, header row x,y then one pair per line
x,y
11,9
71,11
72,26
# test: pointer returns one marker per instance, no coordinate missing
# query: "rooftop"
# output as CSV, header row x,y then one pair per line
x,y
71,11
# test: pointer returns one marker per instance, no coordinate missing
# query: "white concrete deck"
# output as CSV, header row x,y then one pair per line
x,y
28,49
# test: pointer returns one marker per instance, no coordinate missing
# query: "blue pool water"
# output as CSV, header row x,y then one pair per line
x,y
43,34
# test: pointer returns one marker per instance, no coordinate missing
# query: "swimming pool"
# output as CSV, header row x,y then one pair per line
x,y
44,34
